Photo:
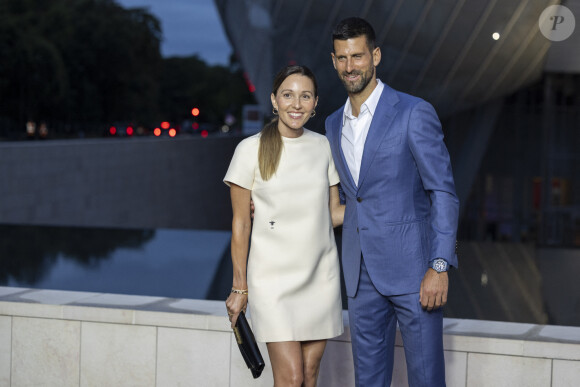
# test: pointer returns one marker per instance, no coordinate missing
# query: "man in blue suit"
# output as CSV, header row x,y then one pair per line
x,y
400,225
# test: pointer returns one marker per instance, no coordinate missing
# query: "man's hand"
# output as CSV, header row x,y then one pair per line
x,y
433,293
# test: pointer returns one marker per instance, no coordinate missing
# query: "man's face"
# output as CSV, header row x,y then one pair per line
x,y
355,63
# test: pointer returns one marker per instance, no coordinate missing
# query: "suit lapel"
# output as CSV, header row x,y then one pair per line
x,y
380,125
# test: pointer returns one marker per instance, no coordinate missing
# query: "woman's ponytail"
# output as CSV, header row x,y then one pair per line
x,y
270,149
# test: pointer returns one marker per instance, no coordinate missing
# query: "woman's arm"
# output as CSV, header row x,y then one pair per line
x,y
336,209
241,228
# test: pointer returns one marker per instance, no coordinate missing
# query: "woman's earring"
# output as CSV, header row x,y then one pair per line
x,y
313,113
275,111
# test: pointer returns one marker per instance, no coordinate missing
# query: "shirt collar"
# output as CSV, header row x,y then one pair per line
x,y
370,104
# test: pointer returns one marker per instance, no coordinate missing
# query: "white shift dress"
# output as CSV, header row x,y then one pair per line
x,y
293,271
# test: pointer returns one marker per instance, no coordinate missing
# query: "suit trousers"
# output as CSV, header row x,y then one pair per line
x,y
373,321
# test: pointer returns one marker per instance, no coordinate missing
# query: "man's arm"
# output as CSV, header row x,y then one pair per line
x,y
432,158
336,208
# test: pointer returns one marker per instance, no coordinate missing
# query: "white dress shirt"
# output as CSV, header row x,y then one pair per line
x,y
356,129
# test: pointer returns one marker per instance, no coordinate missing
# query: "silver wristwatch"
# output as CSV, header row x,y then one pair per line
x,y
439,265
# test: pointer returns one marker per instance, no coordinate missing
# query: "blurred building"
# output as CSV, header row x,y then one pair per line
x,y
508,96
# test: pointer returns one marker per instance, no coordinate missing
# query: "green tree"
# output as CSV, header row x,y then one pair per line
x,y
88,63
78,60
216,90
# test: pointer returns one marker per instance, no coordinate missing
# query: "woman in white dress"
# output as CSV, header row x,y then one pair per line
x,y
292,281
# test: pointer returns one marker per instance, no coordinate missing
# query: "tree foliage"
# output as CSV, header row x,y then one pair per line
x,y
77,60
215,90
87,62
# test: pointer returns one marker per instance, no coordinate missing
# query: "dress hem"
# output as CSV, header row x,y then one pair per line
x,y
279,340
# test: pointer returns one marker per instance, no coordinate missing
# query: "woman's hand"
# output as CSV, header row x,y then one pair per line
x,y
235,304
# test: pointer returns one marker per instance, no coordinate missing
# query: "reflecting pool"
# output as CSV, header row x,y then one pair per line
x,y
161,262
495,281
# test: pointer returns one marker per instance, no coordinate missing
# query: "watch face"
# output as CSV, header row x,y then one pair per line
x,y
439,265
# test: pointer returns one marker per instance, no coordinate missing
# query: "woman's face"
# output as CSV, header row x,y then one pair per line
x,y
295,101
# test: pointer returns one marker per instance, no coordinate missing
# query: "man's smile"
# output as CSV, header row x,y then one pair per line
x,y
352,76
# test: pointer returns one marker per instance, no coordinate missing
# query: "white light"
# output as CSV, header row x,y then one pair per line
x,y
495,36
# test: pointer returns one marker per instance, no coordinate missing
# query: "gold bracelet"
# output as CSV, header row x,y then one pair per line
x,y
239,291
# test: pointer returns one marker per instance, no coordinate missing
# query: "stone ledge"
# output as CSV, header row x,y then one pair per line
x,y
559,342
170,336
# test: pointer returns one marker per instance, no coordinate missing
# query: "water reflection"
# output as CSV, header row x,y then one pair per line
x,y
515,282
166,263
496,281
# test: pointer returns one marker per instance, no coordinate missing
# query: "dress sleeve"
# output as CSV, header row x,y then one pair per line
x,y
243,165
333,178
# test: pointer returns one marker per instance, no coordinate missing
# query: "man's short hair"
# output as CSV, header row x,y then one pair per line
x,y
353,27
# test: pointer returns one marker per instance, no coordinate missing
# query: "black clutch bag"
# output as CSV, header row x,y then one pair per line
x,y
248,346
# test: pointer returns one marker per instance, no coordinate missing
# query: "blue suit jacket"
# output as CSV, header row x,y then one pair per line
x,y
404,211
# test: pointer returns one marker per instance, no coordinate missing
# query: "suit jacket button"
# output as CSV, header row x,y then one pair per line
x,y
357,230
359,199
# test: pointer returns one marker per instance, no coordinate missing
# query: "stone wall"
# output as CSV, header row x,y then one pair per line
x,y
126,182
61,339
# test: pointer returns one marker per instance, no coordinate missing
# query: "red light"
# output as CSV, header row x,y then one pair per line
x,y
195,126
195,112
129,130
204,133
112,130
249,83
172,132
165,125
157,132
